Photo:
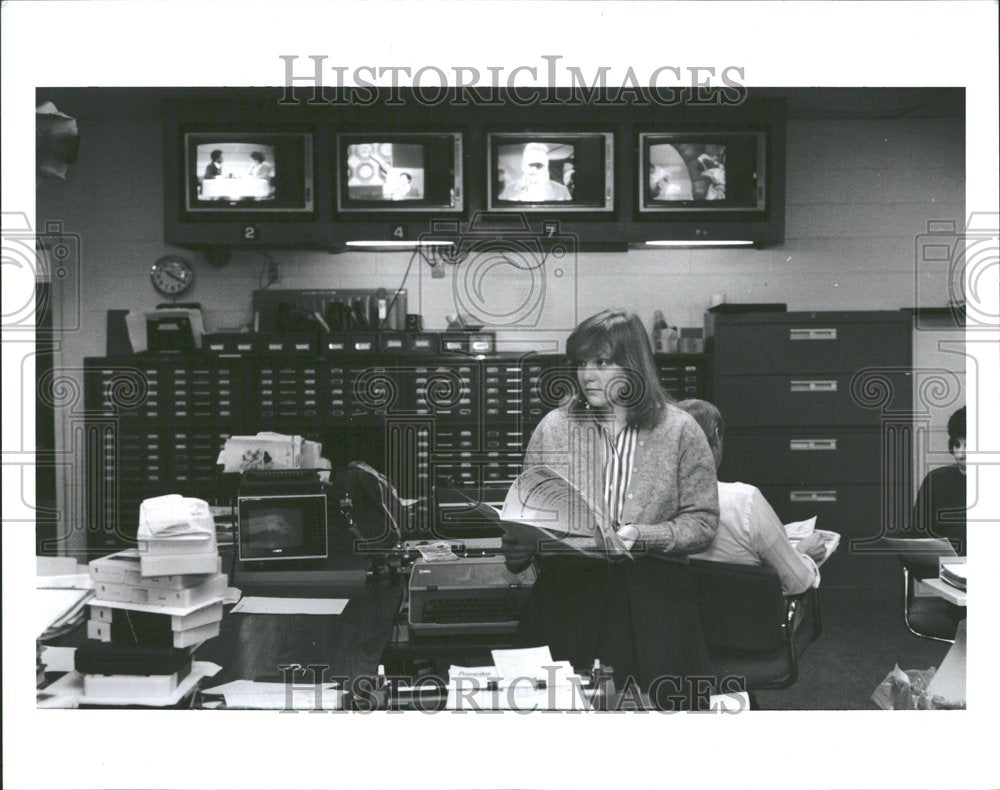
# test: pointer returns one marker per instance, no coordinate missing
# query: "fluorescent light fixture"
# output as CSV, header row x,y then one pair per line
x,y
700,243
399,243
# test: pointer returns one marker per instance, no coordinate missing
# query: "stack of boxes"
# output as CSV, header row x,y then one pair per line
x,y
154,605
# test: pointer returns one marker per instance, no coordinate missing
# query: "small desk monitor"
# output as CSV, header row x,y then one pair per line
x,y
282,528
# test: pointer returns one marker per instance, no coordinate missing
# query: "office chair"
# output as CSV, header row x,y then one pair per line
x,y
751,629
929,617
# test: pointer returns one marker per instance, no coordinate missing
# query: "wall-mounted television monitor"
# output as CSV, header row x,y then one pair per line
x,y
248,173
551,172
702,172
282,527
399,172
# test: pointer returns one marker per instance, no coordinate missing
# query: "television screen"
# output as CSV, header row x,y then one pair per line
x,y
282,527
551,172
248,172
702,172
399,172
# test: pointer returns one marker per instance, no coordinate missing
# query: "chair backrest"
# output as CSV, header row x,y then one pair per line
x,y
741,606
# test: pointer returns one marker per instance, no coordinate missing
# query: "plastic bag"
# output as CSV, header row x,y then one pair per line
x,y
908,691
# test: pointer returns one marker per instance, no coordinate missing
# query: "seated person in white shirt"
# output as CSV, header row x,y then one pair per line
x,y
750,532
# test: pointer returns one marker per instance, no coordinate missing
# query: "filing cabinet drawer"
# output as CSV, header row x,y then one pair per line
x,y
851,510
857,512
809,456
820,400
810,345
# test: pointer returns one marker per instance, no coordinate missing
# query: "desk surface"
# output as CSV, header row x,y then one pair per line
x,y
254,646
942,589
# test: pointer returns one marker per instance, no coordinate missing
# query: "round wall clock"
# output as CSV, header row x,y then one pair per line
x,y
171,275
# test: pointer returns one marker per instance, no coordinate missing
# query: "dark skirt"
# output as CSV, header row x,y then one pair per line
x,y
638,616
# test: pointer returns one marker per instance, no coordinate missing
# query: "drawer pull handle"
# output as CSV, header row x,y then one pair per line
x,y
812,334
812,496
812,385
812,444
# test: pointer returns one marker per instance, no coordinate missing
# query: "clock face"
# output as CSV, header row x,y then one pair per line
x,y
171,275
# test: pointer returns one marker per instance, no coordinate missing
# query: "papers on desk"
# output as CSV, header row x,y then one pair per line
x,y
521,680
270,450
58,610
954,572
68,691
279,696
69,581
55,566
58,659
530,662
259,605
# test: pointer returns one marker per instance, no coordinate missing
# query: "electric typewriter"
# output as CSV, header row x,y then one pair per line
x,y
471,595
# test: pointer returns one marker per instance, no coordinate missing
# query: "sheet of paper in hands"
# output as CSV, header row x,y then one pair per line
x,y
543,506
798,530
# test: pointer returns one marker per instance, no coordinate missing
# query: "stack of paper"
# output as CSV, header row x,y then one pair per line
x,y
58,610
269,450
955,574
178,610
176,536
279,696
70,691
143,629
59,603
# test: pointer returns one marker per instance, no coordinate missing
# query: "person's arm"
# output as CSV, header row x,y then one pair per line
x,y
694,525
797,571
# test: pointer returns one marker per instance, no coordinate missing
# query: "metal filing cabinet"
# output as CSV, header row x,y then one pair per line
x,y
818,412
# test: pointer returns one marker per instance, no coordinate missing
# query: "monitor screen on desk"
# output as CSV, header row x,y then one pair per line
x,y
285,527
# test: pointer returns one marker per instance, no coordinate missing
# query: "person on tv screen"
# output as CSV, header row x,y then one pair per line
x,y
214,167
535,185
404,185
712,178
663,188
939,511
261,168
645,464
750,532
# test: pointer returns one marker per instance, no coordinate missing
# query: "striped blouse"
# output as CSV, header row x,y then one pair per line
x,y
618,471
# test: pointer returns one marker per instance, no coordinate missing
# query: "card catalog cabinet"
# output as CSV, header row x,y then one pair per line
x,y
156,424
